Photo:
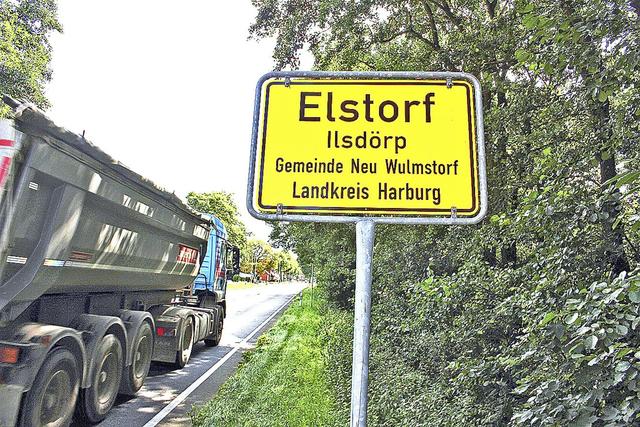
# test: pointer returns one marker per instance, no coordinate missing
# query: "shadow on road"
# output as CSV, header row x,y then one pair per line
x,y
158,368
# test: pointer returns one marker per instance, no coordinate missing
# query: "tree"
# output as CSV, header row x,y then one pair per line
x,y
221,204
593,58
258,257
25,51
286,264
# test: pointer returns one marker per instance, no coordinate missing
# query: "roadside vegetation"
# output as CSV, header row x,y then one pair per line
x,y
532,316
283,381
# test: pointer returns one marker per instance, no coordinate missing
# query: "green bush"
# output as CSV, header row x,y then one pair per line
x,y
582,360
446,352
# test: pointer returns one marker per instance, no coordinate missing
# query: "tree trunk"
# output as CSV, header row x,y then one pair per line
x,y
489,256
508,252
614,238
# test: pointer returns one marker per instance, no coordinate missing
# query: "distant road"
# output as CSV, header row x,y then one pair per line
x,y
251,312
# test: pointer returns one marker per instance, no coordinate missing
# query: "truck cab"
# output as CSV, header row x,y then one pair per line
x,y
219,263
212,277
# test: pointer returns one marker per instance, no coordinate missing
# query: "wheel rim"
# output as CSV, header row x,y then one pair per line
x,y
52,404
142,358
107,378
187,342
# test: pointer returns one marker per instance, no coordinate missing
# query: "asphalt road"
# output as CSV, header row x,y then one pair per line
x,y
250,313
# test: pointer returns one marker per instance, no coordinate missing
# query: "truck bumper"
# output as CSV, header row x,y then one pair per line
x,y
10,404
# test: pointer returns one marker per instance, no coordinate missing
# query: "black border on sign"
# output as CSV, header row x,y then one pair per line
x,y
357,210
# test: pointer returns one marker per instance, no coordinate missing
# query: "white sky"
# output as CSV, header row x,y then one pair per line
x,y
164,87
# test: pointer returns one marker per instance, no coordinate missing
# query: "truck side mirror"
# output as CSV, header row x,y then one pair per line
x,y
236,260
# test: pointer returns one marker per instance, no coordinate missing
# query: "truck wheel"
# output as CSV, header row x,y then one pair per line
x,y
134,375
214,339
96,401
185,345
53,395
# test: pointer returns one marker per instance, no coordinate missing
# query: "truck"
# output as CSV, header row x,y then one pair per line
x,y
101,273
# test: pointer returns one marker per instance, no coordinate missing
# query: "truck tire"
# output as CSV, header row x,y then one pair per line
x,y
185,344
133,376
214,339
96,400
53,395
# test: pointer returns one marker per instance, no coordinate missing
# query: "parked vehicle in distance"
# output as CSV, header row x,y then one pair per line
x,y
101,272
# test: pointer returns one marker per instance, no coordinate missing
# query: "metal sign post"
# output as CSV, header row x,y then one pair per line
x,y
366,148
365,231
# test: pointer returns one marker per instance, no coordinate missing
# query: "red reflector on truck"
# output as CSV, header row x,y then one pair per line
x,y
9,354
6,153
165,332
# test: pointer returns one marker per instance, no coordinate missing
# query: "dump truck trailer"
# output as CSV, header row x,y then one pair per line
x,y
100,273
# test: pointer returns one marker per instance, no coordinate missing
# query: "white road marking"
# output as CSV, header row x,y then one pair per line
x,y
16,259
182,396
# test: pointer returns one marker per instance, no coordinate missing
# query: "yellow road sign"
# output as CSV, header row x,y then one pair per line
x,y
367,147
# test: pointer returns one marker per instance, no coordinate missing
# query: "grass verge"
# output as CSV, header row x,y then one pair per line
x,y
283,381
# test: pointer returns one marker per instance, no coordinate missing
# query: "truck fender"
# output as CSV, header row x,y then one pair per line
x,y
174,316
93,328
40,339
173,313
132,320
223,304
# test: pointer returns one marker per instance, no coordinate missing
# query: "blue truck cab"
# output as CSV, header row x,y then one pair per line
x,y
218,264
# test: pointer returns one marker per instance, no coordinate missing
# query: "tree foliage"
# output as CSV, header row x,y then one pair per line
x,y
221,204
529,317
260,257
286,264
25,52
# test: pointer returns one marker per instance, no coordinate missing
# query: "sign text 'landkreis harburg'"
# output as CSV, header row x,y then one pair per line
x,y
390,147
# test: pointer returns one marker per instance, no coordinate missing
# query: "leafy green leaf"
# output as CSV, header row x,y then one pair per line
x,y
623,352
621,329
590,342
603,96
522,55
623,366
572,318
547,318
